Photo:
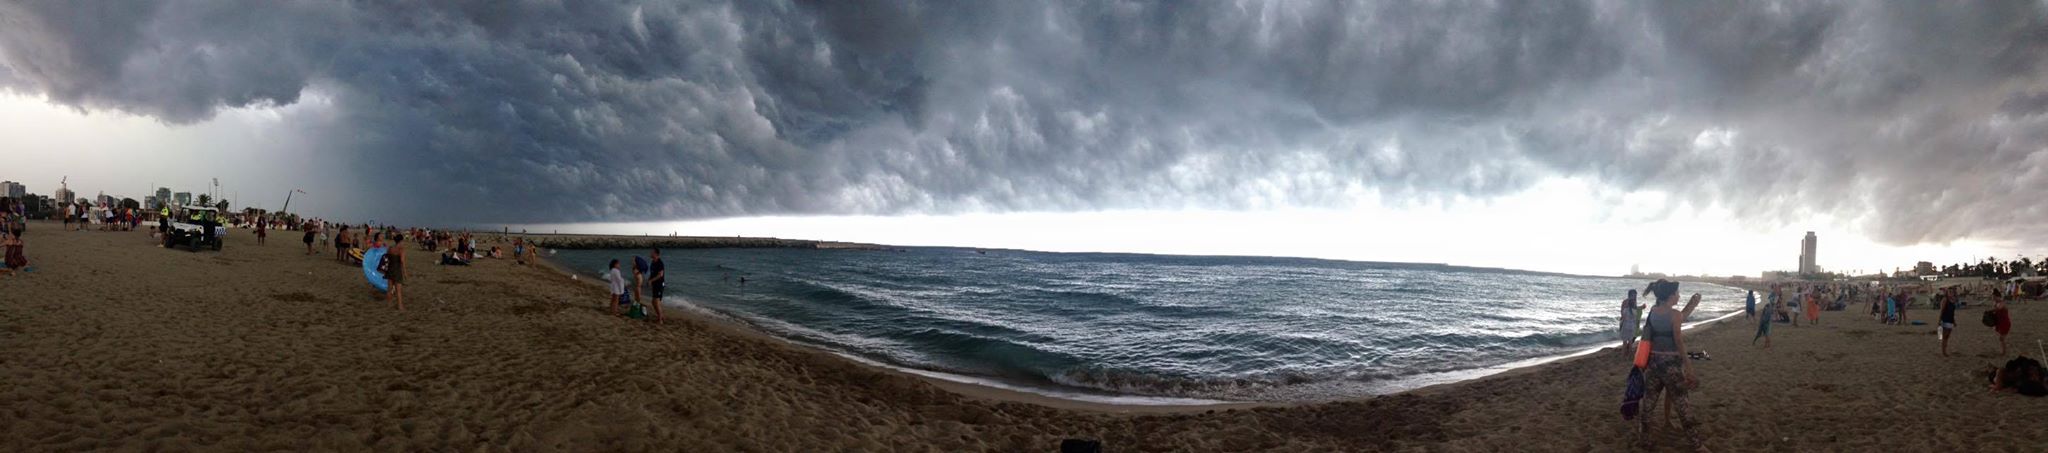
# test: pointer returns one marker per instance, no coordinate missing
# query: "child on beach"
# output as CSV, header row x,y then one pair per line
x,y
1749,305
1813,308
395,272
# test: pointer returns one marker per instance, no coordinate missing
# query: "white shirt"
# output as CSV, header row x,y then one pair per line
x,y
618,283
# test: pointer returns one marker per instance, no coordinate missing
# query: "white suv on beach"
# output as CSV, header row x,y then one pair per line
x,y
195,227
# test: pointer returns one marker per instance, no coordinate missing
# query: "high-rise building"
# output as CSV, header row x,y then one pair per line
x,y
163,195
11,189
183,198
150,203
1807,248
65,197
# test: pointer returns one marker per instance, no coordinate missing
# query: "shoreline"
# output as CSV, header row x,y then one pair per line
x,y
969,386
996,389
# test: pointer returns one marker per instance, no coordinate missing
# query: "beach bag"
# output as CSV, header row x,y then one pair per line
x,y
1632,396
1643,354
1991,318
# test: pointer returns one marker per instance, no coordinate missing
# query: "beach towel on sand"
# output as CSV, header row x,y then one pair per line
x,y
1632,397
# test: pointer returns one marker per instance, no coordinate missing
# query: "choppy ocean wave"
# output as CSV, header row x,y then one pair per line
x,y
1176,326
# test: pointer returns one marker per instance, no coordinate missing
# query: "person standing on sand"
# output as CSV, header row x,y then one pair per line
x,y
1763,325
1947,302
261,226
1669,375
1749,305
394,271
2001,322
1631,316
308,239
617,284
1813,308
341,244
657,282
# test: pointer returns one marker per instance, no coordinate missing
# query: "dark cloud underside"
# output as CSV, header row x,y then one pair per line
x,y
1925,120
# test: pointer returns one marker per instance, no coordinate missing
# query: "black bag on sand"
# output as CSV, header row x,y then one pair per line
x,y
1990,318
1080,446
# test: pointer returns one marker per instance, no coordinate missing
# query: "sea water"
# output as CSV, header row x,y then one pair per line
x,y
1222,328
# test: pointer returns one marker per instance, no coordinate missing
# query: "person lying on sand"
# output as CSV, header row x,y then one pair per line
x,y
2020,375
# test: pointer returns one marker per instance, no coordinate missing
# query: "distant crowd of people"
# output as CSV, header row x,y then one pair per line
x,y
1664,372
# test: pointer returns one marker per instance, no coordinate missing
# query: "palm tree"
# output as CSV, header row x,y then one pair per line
x,y
205,200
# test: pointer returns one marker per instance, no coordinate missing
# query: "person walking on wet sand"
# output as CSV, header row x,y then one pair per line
x,y
1669,375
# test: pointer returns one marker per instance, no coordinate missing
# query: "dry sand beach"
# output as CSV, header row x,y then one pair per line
x,y
116,344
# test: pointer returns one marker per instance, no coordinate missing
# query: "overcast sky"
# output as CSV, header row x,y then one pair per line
x,y
1574,136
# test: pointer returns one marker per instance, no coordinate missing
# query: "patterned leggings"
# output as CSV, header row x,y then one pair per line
x,y
1667,373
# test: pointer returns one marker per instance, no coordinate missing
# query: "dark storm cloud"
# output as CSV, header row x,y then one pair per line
x,y
1923,120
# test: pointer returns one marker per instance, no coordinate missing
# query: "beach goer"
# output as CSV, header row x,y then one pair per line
x,y
16,258
1631,316
519,251
395,272
1749,305
1948,317
2001,322
617,284
639,278
341,241
1813,308
657,282
1904,299
1668,375
1763,325
260,228
308,239
2020,374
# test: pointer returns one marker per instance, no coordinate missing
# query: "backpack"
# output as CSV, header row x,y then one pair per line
x,y
1632,397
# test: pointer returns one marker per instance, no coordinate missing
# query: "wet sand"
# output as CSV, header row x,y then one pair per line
x,y
116,344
